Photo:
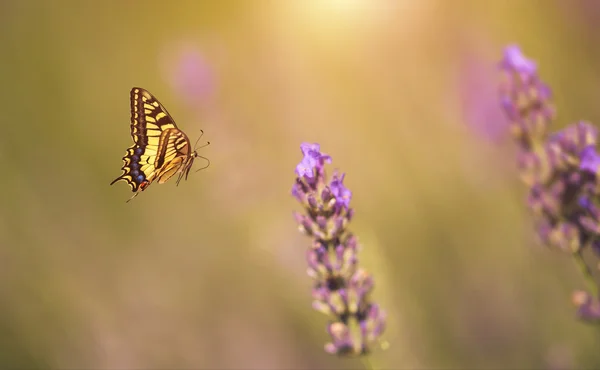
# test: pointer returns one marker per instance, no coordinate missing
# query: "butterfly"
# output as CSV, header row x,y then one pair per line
x,y
160,149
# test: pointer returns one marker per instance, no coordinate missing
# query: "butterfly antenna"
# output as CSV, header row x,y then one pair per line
x,y
199,137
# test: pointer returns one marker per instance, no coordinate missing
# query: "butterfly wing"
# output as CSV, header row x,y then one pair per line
x,y
149,118
149,122
173,154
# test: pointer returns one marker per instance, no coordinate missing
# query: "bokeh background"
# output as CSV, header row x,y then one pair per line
x,y
211,274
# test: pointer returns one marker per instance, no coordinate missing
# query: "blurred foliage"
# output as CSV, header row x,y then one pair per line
x,y
211,274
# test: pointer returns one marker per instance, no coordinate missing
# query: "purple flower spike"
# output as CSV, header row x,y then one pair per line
x,y
340,192
561,170
341,289
515,60
590,160
525,99
313,160
588,307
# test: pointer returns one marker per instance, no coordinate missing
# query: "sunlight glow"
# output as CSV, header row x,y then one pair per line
x,y
328,15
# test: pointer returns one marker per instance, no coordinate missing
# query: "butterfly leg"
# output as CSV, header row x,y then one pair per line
x,y
133,196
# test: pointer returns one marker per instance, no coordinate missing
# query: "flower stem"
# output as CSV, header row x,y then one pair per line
x,y
587,274
366,360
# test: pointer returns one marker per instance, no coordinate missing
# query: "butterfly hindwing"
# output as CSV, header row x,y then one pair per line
x,y
131,173
174,153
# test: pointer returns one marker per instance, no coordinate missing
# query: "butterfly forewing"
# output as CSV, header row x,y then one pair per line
x,y
148,117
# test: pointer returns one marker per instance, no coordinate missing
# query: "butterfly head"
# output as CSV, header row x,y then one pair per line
x,y
187,166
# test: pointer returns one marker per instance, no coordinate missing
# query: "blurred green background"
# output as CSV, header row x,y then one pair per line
x,y
211,274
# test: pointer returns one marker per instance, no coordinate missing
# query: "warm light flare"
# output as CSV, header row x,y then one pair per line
x,y
344,5
325,16
342,10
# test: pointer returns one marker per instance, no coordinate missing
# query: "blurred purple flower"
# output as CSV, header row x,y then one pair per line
x,y
590,160
341,289
192,77
559,357
516,61
560,168
477,88
525,99
588,306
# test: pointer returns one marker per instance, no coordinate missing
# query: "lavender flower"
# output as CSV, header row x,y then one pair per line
x,y
341,288
561,169
588,308
525,99
192,76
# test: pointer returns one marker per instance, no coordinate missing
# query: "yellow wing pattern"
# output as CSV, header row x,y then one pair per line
x,y
172,154
159,148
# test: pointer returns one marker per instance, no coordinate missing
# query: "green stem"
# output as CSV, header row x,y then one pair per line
x,y
587,274
366,360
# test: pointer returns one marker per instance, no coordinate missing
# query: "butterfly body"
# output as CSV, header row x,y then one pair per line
x,y
160,150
